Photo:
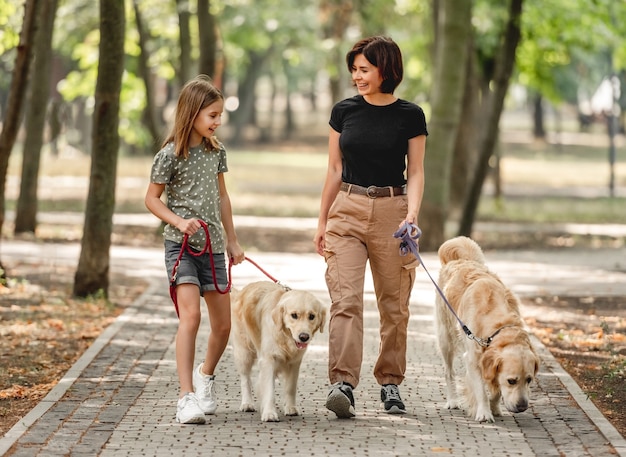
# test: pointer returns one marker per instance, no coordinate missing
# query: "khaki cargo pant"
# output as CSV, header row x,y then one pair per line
x,y
359,229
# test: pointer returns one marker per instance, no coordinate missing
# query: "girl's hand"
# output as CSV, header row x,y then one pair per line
x,y
235,253
188,226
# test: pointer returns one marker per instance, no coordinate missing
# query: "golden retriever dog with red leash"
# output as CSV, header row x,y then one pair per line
x,y
502,364
274,325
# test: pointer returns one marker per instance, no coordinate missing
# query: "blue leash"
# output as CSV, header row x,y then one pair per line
x,y
409,234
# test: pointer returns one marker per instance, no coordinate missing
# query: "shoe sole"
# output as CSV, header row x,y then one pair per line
x,y
394,410
339,404
192,420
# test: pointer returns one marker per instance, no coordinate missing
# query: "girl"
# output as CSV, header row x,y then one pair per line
x,y
375,138
190,167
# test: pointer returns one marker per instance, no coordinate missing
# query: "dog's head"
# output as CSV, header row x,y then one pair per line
x,y
508,371
301,314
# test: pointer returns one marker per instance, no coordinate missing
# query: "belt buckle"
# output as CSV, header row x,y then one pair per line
x,y
371,192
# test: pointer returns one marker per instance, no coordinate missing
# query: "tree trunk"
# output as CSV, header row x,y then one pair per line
x,y
15,102
244,115
92,274
184,15
335,17
494,103
464,155
151,116
539,131
26,210
454,23
208,39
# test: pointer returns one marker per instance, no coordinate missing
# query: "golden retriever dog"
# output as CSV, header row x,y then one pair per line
x,y
503,367
273,325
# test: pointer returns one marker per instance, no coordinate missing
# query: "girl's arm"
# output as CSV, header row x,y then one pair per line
x,y
233,249
330,190
156,206
415,177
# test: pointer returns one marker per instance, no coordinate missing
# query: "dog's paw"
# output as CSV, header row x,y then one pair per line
x,y
484,417
291,411
452,404
247,408
270,416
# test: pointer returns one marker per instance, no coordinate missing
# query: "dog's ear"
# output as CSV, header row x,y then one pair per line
x,y
322,317
537,363
490,366
277,314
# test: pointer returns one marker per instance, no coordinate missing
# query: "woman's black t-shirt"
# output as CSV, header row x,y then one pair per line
x,y
374,139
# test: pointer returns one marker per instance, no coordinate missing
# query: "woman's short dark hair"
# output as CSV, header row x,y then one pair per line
x,y
384,54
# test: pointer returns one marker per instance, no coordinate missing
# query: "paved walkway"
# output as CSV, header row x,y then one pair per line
x,y
119,398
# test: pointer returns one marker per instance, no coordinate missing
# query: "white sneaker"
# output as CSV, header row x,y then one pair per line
x,y
188,410
204,386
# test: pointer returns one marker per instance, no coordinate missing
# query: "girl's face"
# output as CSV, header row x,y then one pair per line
x,y
206,122
366,76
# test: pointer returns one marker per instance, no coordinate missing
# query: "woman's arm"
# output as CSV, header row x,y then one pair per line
x,y
415,177
331,188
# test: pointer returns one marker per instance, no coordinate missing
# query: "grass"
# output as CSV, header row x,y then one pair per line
x,y
542,183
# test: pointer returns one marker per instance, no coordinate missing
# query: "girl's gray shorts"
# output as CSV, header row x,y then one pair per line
x,y
196,270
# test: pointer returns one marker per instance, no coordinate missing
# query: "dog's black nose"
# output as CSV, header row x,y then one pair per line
x,y
304,337
520,406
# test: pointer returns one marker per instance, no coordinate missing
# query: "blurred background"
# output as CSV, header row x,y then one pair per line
x,y
523,98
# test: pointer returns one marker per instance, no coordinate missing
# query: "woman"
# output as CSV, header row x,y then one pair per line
x,y
374,139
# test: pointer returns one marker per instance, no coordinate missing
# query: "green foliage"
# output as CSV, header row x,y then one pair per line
x,y
10,18
566,44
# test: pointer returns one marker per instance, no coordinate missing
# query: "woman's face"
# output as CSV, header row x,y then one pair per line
x,y
366,76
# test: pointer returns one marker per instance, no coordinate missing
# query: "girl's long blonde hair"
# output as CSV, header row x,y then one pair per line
x,y
195,95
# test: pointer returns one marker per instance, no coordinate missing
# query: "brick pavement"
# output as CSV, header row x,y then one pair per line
x,y
119,399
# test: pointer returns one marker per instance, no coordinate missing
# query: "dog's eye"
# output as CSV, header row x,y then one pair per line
x,y
311,317
294,315
529,380
512,382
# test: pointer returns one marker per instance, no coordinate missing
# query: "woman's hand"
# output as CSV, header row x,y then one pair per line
x,y
319,241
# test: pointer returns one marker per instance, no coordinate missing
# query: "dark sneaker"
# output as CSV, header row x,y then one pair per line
x,y
340,400
390,396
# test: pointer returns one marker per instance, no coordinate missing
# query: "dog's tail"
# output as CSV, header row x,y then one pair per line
x,y
460,248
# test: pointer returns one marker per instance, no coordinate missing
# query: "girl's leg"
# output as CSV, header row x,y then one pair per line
x,y
189,322
218,306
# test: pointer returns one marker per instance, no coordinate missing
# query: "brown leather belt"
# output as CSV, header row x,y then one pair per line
x,y
373,191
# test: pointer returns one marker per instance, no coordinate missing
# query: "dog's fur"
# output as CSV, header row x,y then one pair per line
x,y
506,367
274,325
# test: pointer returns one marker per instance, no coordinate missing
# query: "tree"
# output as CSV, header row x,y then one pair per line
x,y
493,95
453,26
207,32
17,92
92,274
152,116
184,64
26,211
335,16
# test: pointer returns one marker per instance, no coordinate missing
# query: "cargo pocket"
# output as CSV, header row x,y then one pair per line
x,y
407,280
333,282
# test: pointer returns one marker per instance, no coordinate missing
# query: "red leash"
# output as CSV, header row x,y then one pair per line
x,y
207,247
